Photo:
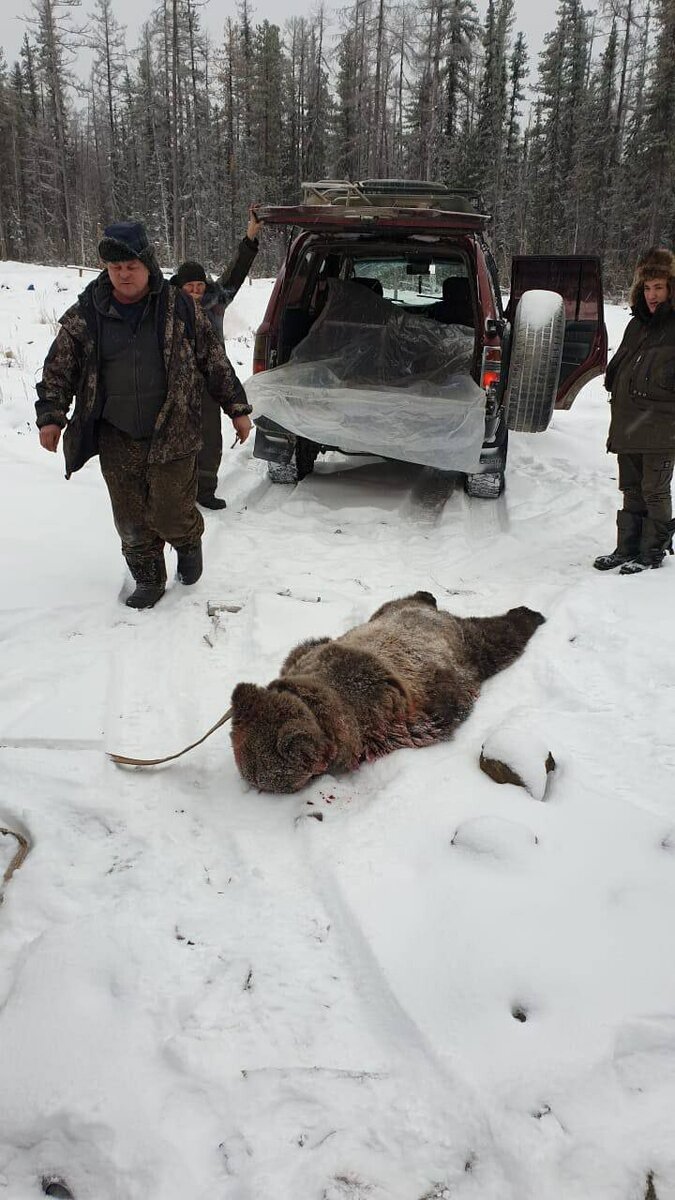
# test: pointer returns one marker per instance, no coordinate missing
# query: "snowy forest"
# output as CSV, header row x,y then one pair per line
x,y
571,153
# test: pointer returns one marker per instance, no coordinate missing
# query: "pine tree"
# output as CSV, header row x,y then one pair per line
x,y
106,39
462,34
592,180
659,129
561,87
56,39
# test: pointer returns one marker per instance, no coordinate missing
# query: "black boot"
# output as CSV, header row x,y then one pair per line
x,y
628,533
654,543
190,563
210,500
150,578
637,565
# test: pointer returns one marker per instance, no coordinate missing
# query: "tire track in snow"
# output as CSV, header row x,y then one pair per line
x,y
50,743
408,1048
414,493
323,1043
401,1028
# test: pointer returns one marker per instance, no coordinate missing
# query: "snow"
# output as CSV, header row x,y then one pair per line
x,y
442,989
543,309
521,746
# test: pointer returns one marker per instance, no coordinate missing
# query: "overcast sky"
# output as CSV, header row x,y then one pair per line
x,y
533,17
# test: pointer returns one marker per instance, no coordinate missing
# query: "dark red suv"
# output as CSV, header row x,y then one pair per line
x,y
385,333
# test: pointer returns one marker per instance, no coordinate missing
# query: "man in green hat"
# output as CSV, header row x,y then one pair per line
x,y
213,296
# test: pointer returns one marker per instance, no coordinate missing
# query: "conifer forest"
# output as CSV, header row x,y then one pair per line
x,y
571,152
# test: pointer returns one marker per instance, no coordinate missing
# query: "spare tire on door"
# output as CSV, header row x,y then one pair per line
x,y
536,356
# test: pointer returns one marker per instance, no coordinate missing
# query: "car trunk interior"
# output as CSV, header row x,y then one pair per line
x,y
375,350
415,278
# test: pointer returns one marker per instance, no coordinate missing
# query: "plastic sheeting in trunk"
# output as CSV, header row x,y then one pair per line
x,y
372,378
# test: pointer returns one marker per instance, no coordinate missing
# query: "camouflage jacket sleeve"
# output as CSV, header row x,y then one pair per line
x,y
217,370
235,272
60,375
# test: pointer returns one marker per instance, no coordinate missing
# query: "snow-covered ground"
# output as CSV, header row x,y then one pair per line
x,y
208,993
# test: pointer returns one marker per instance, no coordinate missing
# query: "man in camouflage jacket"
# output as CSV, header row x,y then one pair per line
x,y
214,296
136,354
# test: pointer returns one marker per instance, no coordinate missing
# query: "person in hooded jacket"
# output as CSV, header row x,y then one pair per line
x,y
641,381
136,355
214,296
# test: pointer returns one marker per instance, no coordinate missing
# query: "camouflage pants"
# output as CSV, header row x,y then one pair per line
x,y
645,480
212,446
152,503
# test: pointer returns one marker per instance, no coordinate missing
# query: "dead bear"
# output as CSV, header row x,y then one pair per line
x,y
408,677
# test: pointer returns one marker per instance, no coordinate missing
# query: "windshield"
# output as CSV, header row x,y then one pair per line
x,y
409,281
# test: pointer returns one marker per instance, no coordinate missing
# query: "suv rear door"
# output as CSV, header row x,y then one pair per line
x,y
577,278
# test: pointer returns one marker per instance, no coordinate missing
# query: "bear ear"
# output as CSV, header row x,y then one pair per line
x,y
247,701
296,745
426,598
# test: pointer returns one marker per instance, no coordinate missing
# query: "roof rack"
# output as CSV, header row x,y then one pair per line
x,y
391,193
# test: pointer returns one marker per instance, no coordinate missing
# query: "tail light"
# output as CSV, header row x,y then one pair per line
x,y
260,347
491,367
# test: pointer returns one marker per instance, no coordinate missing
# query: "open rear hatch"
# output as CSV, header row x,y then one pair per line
x,y
402,205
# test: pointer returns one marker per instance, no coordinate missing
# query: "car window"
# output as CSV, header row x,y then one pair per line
x,y
408,280
300,281
574,279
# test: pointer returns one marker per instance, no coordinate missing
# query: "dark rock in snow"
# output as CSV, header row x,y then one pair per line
x,y
516,754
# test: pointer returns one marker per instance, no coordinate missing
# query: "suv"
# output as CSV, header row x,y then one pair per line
x,y
407,266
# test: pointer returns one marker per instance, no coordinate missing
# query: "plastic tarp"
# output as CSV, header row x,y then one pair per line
x,y
373,378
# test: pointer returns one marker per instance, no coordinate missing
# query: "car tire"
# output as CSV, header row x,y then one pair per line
x,y
535,360
305,456
484,485
283,472
301,464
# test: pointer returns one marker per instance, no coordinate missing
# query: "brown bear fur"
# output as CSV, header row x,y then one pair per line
x,y
408,677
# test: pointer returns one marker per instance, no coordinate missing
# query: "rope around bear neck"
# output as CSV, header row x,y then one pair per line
x,y
24,847
124,761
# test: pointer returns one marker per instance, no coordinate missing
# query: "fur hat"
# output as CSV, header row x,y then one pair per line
x,y
657,263
189,272
126,240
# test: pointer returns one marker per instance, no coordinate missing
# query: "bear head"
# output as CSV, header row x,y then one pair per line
x,y
277,742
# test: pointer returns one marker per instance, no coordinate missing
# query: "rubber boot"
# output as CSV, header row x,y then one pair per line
x,y
150,578
211,501
654,543
628,533
190,563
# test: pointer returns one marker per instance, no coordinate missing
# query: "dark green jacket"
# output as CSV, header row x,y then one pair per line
x,y
221,292
641,379
193,355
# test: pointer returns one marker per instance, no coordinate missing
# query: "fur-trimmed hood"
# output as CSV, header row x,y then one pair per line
x,y
657,263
